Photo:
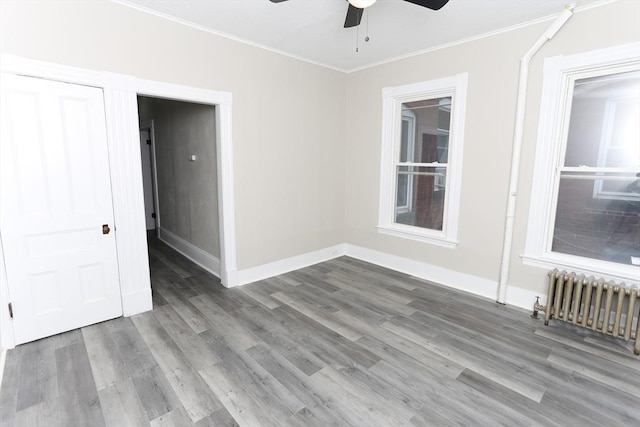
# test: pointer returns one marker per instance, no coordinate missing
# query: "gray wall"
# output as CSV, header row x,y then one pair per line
x,y
288,115
493,66
187,190
307,138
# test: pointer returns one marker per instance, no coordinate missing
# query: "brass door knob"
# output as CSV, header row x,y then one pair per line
x,y
105,229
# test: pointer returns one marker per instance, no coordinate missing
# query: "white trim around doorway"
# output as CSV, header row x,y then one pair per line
x,y
120,94
224,154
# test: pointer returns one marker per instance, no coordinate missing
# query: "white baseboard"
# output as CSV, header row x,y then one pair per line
x,y
524,298
433,273
261,272
479,286
194,253
475,285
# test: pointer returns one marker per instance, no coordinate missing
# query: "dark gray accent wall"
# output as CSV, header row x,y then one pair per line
x,y
187,190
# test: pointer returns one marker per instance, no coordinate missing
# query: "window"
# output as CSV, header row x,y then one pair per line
x,y
422,160
585,206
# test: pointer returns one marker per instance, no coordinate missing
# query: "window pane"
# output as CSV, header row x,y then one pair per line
x,y
617,186
623,149
424,188
604,128
427,130
402,197
405,144
593,224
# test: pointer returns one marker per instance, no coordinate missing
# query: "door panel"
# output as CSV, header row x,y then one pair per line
x,y
55,197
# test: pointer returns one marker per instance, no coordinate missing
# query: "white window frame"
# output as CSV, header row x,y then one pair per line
x,y
392,100
560,74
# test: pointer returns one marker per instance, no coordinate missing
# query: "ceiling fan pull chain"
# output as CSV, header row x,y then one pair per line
x,y
357,38
366,38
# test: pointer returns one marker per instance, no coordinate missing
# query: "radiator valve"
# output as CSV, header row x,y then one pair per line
x,y
537,307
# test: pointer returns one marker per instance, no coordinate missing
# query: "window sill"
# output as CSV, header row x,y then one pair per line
x,y
410,233
629,274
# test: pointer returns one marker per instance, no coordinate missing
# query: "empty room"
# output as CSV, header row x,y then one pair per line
x,y
319,212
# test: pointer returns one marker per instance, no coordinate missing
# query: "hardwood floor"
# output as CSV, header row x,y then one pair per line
x,y
340,343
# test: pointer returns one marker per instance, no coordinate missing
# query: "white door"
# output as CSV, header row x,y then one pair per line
x,y
55,197
147,178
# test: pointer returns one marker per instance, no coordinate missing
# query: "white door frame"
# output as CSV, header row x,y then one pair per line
x,y
148,125
121,107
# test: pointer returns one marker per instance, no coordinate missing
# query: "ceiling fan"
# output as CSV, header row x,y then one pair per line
x,y
357,7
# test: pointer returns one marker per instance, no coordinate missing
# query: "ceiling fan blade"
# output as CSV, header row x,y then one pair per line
x,y
277,1
354,16
430,4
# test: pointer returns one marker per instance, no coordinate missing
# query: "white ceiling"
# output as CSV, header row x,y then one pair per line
x,y
313,29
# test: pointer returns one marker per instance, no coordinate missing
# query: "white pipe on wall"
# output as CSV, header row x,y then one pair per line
x,y
518,134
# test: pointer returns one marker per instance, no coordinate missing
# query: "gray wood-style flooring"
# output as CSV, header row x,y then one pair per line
x,y
341,343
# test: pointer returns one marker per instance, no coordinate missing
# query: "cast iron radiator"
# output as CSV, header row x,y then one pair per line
x,y
609,308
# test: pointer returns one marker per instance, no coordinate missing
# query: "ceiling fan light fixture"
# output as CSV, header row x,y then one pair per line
x,y
361,4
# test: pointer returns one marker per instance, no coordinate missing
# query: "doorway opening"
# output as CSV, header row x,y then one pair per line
x,y
180,179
